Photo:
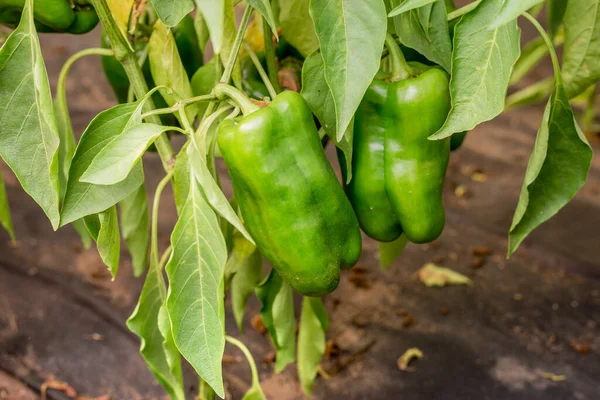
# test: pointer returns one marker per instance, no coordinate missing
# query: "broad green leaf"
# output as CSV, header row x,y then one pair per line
x,y
409,5
556,12
171,12
264,8
115,161
390,251
211,189
135,227
195,300
109,240
297,27
482,63
511,9
245,263
167,69
204,80
557,168
82,198
311,340
425,29
432,275
213,12
29,138
277,313
158,350
581,55
5,219
320,100
351,35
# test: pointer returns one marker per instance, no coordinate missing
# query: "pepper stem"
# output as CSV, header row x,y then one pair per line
x,y
223,91
400,68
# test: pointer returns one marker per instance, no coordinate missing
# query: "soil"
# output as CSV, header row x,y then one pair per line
x,y
526,329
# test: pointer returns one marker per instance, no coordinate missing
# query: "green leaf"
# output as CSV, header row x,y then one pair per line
x,y
195,301
351,35
557,168
245,263
277,313
511,9
255,393
211,189
213,12
426,30
167,69
5,219
201,31
29,138
158,350
92,225
171,12
390,251
482,62
109,240
320,100
556,11
135,227
296,25
264,8
409,5
181,179
581,55
204,80
115,161
67,144
311,340
81,230
82,198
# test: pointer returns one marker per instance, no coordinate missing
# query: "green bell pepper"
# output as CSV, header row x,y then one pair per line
x,y
288,194
397,173
52,16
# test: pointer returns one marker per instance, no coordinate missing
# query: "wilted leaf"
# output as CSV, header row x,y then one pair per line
x,y
407,357
432,275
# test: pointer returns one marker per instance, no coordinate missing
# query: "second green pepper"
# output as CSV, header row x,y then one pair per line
x,y
289,196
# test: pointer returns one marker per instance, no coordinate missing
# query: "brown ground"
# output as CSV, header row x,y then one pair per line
x,y
536,313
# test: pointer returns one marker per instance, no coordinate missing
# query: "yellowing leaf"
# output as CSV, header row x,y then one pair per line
x,y
407,357
432,275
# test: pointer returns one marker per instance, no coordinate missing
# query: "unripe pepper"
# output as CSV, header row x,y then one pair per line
x,y
398,173
51,16
290,199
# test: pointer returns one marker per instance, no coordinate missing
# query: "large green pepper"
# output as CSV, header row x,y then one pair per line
x,y
398,173
289,196
187,46
51,15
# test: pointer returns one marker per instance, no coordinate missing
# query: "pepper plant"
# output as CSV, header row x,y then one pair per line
x,y
394,85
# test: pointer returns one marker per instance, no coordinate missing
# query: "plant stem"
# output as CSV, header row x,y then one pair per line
x,y
248,356
239,37
546,38
270,57
261,71
223,92
127,57
165,257
154,230
234,52
62,77
463,10
400,68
